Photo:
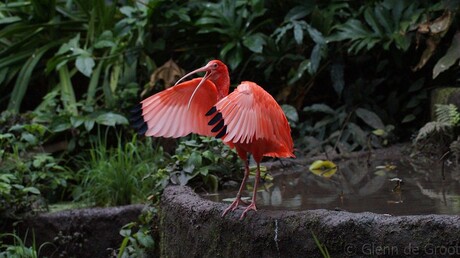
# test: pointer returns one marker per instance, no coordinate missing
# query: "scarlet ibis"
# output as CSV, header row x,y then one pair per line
x,y
249,119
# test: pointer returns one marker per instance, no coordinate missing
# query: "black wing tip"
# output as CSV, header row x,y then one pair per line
x,y
142,129
211,111
136,109
218,126
222,132
218,122
215,119
137,120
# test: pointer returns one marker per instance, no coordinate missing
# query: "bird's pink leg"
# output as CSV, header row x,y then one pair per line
x,y
238,200
252,206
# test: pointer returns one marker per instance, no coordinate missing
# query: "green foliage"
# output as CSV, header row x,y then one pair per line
x,y
202,158
381,23
121,175
137,237
235,24
322,248
447,114
19,248
447,118
27,174
96,39
340,130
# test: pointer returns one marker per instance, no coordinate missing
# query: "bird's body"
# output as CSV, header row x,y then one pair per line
x,y
248,119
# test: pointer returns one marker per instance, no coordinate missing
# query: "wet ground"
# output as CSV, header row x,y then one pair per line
x,y
360,185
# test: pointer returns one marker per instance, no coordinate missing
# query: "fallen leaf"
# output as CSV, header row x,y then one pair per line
x,y
433,32
323,168
169,73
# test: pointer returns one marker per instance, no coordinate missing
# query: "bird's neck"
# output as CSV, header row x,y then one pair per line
x,y
223,84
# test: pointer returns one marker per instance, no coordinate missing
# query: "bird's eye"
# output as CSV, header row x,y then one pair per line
x,y
214,66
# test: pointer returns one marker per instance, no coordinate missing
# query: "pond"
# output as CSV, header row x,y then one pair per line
x,y
394,187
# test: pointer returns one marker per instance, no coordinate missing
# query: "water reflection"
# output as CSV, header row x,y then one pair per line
x,y
387,187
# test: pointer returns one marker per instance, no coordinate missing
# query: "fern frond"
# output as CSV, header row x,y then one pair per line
x,y
431,128
447,114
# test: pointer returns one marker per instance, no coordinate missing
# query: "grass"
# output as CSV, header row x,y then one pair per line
x,y
322,248
121,175
19,249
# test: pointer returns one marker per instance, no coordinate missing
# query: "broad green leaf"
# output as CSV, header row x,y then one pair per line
x,y
316,35
127,10
69,46
31,190
255,42
323,108
229,46
5,188
291,113
105,40
384,18
89,124
195,159
451,56
315,59
111,119
184,178
7,178
370,118
298,33
85,65
359,135
11,19
235,57
28,137
303,66
408,118
372,21
144,239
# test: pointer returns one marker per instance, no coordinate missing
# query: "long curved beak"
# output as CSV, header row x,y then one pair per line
x,y
202,69
206,69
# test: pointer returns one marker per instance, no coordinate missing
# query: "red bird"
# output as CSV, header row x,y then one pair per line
x,y
248,119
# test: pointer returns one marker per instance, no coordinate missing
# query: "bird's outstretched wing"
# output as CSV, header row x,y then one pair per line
x,y
249,116
167,114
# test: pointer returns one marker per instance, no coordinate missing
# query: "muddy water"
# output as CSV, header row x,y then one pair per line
x,y
360,186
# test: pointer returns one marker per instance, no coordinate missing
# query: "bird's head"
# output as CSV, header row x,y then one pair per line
x,y
217,72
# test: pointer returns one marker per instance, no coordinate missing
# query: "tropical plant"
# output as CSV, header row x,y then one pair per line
x,y
95,39
341,130
205,159
382,23
122,175
19,248
235,24
28,175
137,236
447,118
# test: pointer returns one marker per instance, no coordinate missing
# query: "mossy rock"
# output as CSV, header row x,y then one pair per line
x,y
445,95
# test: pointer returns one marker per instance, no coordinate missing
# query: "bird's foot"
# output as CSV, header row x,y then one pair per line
x,y
251,206
234,205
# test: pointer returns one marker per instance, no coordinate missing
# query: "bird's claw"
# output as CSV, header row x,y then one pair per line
x,y
251,206
234,206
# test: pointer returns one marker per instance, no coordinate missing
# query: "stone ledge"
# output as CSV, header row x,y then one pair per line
x,y
191,226
89,232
